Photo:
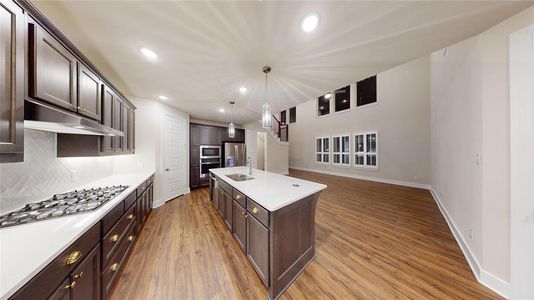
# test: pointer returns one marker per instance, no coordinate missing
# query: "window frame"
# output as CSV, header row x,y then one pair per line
x,y
376,93
329,106
334,97
365,165
294,119
341,153
322,152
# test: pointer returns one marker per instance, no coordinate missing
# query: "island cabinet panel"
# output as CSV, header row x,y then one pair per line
x,y
258,248
239,228
89,95
52,70
258,212
240,197
221,205
228,211
11,82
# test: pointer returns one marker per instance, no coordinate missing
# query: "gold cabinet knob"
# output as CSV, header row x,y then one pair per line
x,y
78,275
114,267
237,197
73,257
130,216
244,214
114,238
131,238
71,286
255,210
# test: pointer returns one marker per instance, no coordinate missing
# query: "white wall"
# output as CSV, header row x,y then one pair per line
x,y
401,116
470,114
276,153
148,138
260,146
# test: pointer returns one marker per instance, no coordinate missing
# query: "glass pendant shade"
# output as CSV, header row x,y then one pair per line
x,y
231,130
266,113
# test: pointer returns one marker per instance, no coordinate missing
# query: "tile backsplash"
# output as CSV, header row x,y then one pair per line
x,y
42,174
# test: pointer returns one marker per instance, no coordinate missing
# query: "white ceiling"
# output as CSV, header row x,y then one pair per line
x,y
207,50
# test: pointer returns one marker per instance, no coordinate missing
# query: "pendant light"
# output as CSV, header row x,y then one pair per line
x,y
231,126
266,112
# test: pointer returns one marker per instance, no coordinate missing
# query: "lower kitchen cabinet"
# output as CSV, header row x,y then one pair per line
x,y
239,228
89,268
228,210
258,248
221,205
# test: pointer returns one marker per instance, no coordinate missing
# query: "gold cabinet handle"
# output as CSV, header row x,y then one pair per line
x,y
237,197
78,275
244,214
255,210
114,238
114,267
71,286
130,216
73,257
131,238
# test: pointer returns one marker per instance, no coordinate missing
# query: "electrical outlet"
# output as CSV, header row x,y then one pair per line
x,y
470,233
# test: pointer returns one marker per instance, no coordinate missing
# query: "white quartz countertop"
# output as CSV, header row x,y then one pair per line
x,y
26,249
270,190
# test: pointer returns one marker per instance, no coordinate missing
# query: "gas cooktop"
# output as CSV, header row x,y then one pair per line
x,y
77,201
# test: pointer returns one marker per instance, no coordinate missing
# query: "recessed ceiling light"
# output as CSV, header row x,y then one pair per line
x,y
221,110
309,23
242,90
328,96
149,53
163,97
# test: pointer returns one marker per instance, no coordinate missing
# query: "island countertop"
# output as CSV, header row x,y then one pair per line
x,y
270,190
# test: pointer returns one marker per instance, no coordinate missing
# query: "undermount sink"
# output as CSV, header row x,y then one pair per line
x,y
239,177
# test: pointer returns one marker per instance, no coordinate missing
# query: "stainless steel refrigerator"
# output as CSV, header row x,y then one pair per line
x,y
235,154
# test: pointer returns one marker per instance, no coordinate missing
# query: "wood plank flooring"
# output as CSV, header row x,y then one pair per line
x,y
373,240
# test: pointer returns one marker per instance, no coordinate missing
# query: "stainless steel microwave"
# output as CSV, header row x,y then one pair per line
x,y
210,151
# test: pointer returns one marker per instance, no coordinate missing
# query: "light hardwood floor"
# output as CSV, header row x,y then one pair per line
x,y
374,241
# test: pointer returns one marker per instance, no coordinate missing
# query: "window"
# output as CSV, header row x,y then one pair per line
x,y
366,150
293,115
283,117
342,99
341,150
322,150
323,105
366,91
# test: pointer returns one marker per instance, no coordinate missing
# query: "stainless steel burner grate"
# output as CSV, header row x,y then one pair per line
x,y
77,201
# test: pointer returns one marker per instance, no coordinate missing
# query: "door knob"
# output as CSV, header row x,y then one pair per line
x,y
167,170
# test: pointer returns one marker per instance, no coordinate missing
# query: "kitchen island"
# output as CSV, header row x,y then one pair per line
x,y
272,218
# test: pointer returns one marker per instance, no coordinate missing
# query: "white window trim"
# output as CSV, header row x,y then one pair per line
x,y
317,107
329,153
353,103
340,164
365,166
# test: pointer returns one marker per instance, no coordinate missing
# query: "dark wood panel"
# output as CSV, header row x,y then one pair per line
x,y
113,268
89,94
239,228
228,210
110,241
221,207
258,212
107,117
194,156
111,218
117,122
238,138
258,248
11,82
62,292
52,69
85,279
194,177
239,197
225,186
194,135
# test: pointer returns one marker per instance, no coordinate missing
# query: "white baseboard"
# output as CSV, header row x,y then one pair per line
x,y
382,180
484,277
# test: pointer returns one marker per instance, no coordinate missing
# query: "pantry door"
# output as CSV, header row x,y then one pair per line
x,y
174,156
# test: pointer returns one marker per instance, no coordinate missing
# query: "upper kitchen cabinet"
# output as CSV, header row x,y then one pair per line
x,y
238,138
89,96
117,122
12,82
209,135
108,97
52,69
128,121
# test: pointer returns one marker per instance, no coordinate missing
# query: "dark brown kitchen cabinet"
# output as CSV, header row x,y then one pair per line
x,y
228,211
258,248
194,177
194,156
117,122
221,205
52,69
12,82
209,135
85,279
194,135
238,138
239,226
62,292
128,128
89,95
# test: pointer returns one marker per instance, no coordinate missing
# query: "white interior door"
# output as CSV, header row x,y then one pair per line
x,y
174,156
522,163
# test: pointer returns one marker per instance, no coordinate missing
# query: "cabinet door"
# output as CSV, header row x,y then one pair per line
x,y
11,82
221,207
194,177
52,70
85,279
209,135
131,130
228,211
239,226
117,122
258,248
126,127
194,135
194,156
89,95
239,135
108,97
62,292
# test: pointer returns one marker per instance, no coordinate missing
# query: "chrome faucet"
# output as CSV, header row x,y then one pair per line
x,y
249,163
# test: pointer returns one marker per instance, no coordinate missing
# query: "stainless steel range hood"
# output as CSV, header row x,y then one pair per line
x,y
40,116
